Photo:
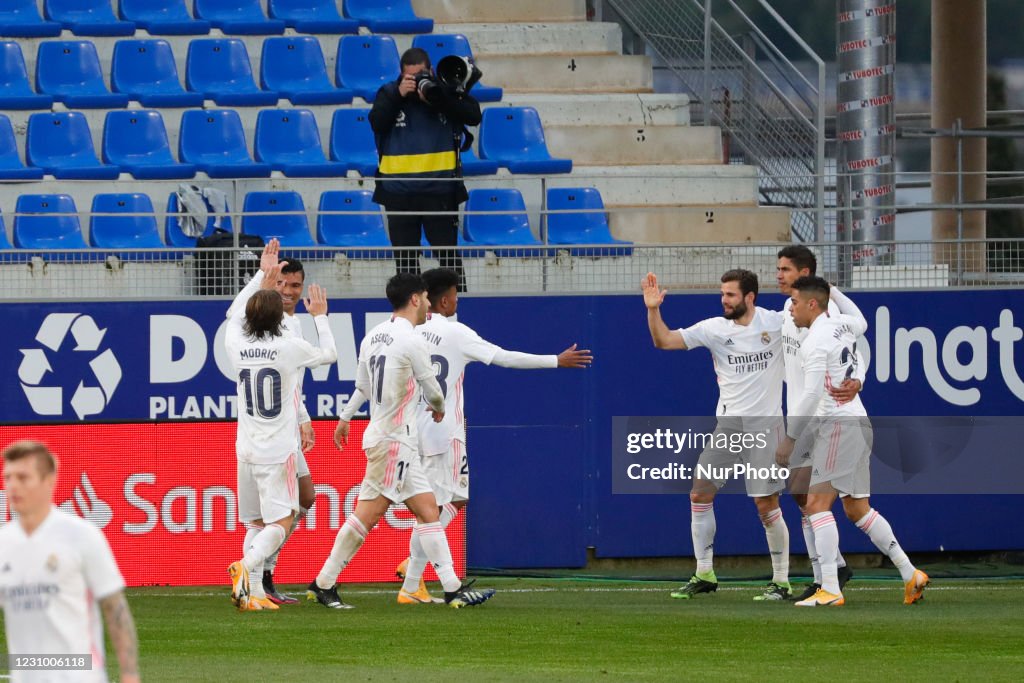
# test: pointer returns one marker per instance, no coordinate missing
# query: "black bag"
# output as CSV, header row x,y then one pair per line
x,y
220,273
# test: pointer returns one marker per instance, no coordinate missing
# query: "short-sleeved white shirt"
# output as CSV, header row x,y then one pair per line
x,y
393,360
830,345
293,328
792,338
50,586
452,346
748,362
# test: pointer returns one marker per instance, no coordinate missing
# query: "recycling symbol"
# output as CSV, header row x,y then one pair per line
x,y
37,376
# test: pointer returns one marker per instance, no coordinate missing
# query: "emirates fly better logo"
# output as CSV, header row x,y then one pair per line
x,y
81,340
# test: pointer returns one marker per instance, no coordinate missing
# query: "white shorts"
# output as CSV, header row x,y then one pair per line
x,y
394,471
301,466
803,449
754,456
267,492
842,456
448,474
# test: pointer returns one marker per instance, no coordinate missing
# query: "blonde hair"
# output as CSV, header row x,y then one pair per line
x,y
45,460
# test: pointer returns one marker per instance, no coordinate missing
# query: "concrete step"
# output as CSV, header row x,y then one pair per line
x,y
596,145
500,11
569,73
608,109
699,224
697,185
578,37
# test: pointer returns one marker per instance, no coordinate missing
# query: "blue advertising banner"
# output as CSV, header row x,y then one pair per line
x,y
539,439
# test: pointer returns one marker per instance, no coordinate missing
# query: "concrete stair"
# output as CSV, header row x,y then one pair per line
x,y
598,145
501,11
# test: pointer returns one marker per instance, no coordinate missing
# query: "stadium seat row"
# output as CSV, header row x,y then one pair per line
x,y
346,219
217,69
213,141
20,18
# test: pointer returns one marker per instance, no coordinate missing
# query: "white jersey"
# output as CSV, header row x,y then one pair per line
x,y
748,362
50,585
267,373
828,354
293,328
393,362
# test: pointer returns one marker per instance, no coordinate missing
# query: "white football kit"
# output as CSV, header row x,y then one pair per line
x,y
293,327
842,433
50,586
452,347
792,338
267,375
749,366
394,365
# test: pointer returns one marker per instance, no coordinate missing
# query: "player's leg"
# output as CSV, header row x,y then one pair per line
x,y
826,540
307,495
777,534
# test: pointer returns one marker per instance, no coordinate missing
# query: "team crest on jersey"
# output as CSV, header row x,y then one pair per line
x,y
766,338
51,563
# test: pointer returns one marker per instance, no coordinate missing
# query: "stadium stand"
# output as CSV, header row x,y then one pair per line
x,y
173,234
20,19
365,63
220,69
11,167
292,229
502,227
288,140
294,66
440,45
136,141
241,17
162,17
387,16
70,71
146,71
215,142
15,91
135,230
311,16
587,225
514,137
47,221
352,141
363,227
60,143
87,17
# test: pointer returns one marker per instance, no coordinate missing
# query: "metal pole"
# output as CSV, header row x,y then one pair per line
x,y
707,63
957,133
544,232
819,163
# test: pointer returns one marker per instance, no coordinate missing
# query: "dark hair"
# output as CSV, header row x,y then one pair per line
x,y
401,288
438,282
415,55
293,265
263,314
815,286
801,256
747,280
19,450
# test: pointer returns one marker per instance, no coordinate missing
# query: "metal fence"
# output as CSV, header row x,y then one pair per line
x,y
149,274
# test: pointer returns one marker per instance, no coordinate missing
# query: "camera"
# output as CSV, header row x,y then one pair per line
x,y
426,84
458,73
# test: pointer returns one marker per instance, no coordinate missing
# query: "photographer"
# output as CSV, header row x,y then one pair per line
x,y
418,124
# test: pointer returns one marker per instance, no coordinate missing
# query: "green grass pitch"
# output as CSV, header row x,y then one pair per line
x,y
576,630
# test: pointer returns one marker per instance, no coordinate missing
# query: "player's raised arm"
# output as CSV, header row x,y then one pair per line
x,y
662,337
316,305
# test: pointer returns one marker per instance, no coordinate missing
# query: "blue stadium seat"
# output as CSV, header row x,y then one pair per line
x,y
365,63
289,140
311,16
11,167
87,17
47,221
137,231
294,67
136,140
20,19
581,228
387,16
163,17
440,45
471,165
356,227
145,70
70,71
61,144
292,230
15,91
215,142
220,69
239,17
501,229
352,141
514,137
11,256
172,230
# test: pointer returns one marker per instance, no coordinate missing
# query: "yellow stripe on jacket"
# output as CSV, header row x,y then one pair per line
x,y
410,164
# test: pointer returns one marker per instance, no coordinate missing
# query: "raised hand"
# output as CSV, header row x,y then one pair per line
x,y
269,257
573,358
653,296
316,303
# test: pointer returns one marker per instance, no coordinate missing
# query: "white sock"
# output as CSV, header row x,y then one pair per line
x,y
826,540
435,545
702,530
812,552
269,539
880,532
840,560
777,533
270,564
350,537
417,557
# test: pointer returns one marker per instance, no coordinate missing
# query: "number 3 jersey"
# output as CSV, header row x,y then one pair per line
x,y
268,374
393,364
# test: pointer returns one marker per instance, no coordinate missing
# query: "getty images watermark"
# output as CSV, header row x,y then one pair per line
x,y
950,454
